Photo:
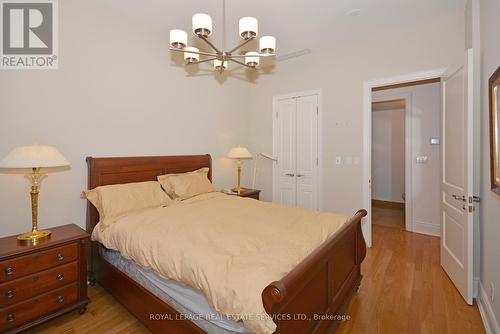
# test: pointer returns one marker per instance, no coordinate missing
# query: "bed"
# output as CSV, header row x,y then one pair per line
x,y
315,290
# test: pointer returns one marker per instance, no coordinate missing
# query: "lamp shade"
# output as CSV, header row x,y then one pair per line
x,y
36,156
252,61
219,64
248,27
191,57
202,24
267,44
178,38
239,153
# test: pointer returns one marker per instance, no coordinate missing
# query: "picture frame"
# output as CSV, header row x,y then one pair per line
x,y
494,105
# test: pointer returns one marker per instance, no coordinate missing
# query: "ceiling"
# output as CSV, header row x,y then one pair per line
x,y
296,24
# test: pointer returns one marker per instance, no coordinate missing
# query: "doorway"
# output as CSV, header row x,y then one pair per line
x,y
297,147
375,85
388,162
406,156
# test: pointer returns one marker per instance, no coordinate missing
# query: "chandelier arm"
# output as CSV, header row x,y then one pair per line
x,y
202,61
209,43
197,52
243,64
242,44
259,55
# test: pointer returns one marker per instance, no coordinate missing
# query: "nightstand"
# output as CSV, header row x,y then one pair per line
x,y
41,282
250,193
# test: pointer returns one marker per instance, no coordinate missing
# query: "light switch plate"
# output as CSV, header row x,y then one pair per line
x,y
435,141
338,160
422,159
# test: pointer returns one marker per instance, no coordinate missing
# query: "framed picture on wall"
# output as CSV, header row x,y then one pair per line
x,y
494,92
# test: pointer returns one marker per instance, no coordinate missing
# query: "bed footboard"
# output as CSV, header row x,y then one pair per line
x,y
312,297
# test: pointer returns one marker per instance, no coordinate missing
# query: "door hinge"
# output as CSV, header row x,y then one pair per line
x,y
317,110
317,162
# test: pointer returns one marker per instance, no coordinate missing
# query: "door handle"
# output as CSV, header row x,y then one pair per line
x,y
459,198
300,175
289,174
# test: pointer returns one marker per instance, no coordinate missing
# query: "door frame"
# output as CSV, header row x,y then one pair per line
x,y
407,97
367,134
319,171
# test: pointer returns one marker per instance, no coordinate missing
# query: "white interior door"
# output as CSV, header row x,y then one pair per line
x,y
296,148
285,191
457,177
307,152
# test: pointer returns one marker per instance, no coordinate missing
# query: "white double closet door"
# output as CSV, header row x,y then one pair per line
x,y
295,175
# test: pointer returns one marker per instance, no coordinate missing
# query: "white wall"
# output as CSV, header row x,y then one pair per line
x,y
423,108
388,155
340,71
490,203
117,92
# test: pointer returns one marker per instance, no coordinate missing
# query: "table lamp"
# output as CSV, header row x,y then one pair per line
x,y
34,157
239,154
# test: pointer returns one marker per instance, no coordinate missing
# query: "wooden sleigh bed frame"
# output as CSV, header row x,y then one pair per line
x,y
305,300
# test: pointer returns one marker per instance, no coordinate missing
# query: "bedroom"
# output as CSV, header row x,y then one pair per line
x,y
119,91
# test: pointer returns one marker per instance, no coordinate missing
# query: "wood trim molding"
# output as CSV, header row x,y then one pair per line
x,y
388,204
407,84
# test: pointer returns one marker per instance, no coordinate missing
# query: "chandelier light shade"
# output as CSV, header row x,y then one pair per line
x,y
267,44
248,27
220,65
178,38
190,57
252,58
202,24
202,29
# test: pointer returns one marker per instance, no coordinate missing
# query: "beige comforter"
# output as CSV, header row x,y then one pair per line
x,y
228,247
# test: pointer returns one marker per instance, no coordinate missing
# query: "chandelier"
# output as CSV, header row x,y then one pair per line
x,y
202,28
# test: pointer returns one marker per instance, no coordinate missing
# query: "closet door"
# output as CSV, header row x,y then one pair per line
x,y
307,152
285,191
296,147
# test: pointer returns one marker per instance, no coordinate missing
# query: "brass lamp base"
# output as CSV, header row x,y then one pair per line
x,y
33,238
238,190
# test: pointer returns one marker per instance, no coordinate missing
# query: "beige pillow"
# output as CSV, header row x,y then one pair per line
x,y
116,200
186,185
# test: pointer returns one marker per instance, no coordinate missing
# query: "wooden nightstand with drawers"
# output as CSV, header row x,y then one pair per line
x,y
250,193
41,282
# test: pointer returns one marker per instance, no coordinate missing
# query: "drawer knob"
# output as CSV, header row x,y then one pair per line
x,y
60,277
9,271
11,317
60,256
60,299
9,294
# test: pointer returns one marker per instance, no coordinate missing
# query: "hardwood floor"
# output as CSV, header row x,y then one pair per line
x,y
404,290
388,216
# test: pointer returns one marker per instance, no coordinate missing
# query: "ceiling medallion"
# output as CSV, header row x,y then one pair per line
x,y
202,28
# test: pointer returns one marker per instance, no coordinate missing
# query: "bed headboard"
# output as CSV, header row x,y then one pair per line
x,y
107,171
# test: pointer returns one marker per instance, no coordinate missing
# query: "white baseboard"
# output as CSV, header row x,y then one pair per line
x,y
426,228
489,320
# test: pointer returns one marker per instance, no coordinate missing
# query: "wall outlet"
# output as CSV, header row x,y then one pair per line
x,y
492,291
